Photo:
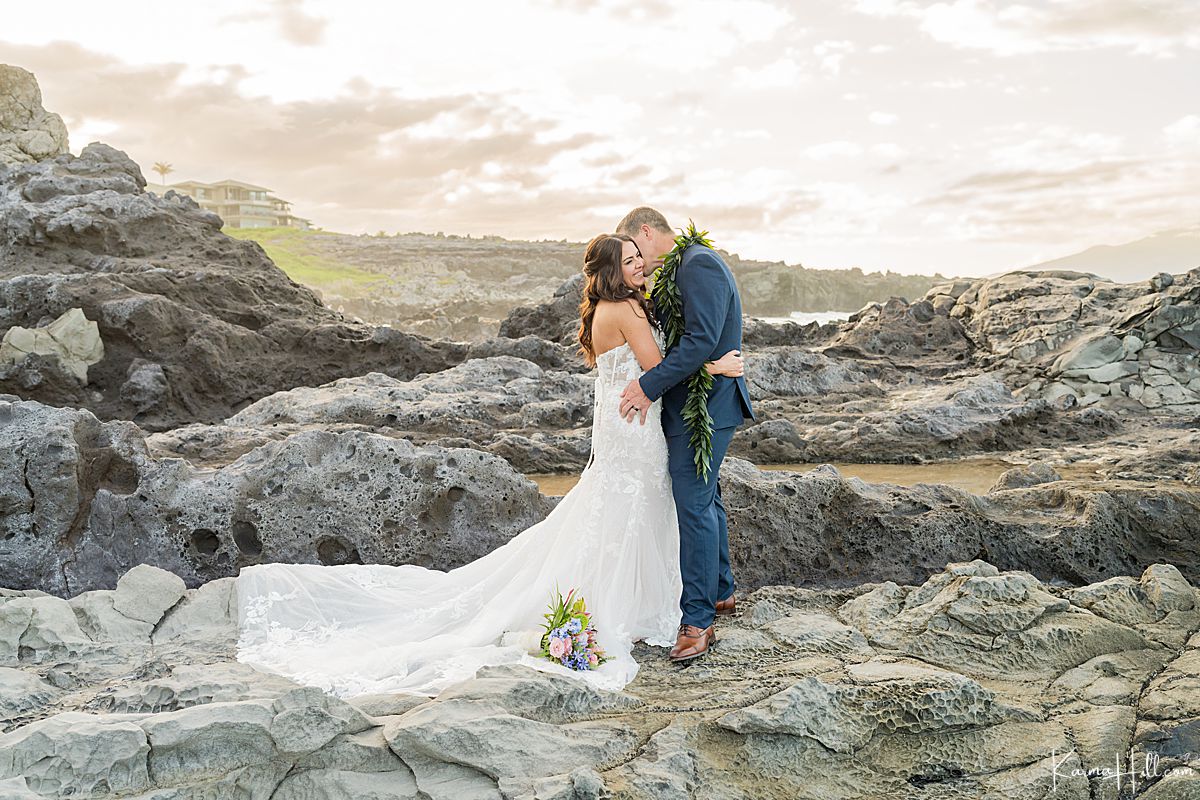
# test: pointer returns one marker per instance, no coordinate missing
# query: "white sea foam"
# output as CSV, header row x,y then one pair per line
x,y
805,317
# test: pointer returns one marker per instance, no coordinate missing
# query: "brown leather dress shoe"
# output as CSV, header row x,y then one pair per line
x,y
727,606
692,642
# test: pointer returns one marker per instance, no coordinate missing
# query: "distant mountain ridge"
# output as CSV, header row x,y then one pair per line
x,y
1176,250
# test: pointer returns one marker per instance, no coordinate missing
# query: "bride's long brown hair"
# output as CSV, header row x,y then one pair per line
x,y
603,280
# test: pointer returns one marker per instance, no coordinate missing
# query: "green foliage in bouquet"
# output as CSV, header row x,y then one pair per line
x,y
570,638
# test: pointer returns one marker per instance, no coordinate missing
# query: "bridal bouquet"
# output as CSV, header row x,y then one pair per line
x,y
570,638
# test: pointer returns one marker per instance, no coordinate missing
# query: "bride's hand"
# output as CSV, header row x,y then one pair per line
x,y
731,365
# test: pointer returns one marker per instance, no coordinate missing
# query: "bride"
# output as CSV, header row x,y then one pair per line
x,y
359,629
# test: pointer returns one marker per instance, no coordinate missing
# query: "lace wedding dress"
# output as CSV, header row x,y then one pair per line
x,y
359,629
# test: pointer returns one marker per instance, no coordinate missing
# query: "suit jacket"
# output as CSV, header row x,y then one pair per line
x,y
712,320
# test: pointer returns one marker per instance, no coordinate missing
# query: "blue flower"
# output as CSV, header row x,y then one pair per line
x,y
574,626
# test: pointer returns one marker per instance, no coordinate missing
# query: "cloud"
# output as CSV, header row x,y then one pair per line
x,y
698,25
947,83
1184,132
368,158
1053,205
1158,27
295,26
989,187
1057,188
828,150
1055,147
889,150
831,53
633,9
779,74
771,133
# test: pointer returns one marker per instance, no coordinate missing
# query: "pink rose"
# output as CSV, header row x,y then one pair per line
x,y
593,660
559,647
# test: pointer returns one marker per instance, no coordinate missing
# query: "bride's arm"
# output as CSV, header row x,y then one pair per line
x,y
731,365
637,331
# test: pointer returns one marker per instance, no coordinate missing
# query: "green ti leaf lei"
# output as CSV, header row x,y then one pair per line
x,y
668,307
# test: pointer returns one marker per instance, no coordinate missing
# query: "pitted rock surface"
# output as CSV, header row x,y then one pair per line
x,y
935,706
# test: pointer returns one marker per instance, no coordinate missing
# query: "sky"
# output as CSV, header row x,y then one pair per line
x,y
964,137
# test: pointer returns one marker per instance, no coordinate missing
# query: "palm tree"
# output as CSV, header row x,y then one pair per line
x,y
162,168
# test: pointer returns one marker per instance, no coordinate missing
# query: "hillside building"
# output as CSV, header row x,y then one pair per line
x,y
239,204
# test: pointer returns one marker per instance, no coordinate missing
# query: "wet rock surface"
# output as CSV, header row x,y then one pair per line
x,y
974,682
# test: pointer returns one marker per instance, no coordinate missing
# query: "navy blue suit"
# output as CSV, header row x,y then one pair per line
x,y
712,319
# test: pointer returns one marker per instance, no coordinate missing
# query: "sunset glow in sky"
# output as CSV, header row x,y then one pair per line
x,y
963,137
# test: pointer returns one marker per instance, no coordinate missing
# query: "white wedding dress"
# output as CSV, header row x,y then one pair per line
x,y
363,629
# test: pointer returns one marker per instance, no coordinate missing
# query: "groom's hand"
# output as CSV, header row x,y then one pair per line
x,y
634,402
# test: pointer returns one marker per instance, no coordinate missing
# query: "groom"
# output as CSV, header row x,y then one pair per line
x,y
712,317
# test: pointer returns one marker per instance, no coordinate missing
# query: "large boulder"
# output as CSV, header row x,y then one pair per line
x,y
835,416
820,528
28,132
474,400
538,419
760,333
971,607
82,501
1177,458
904,331
776,289
556,320
793,372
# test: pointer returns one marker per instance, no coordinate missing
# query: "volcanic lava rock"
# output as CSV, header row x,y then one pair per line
x,y
28,132
194,325
82,501
987,681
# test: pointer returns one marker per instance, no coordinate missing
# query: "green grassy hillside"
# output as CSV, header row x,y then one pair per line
x,y
297,253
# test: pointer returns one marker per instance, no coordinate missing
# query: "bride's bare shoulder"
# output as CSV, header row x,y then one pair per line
x,y
619,309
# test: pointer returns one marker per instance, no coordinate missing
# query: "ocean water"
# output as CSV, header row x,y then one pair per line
x,y
805,317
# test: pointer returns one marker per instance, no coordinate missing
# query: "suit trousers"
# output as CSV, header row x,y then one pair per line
x,y
703,529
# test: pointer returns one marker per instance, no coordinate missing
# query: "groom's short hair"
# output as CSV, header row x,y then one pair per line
x,y
643,215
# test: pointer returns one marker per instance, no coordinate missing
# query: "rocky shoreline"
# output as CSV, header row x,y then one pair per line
x,y
975,683
173,408
88,500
